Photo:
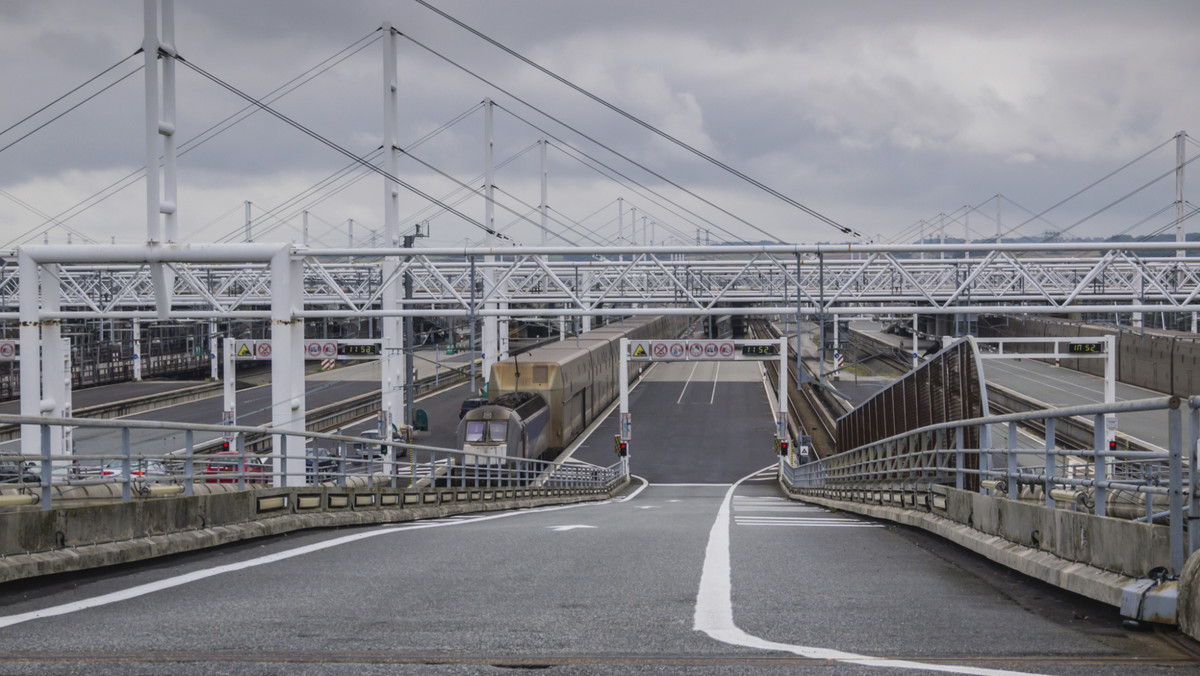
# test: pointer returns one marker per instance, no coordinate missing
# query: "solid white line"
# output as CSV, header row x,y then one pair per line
x,y
686,382
714,610
634,494
716,377
179,580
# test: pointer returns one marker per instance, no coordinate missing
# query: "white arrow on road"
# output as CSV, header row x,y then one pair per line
x,y
560,529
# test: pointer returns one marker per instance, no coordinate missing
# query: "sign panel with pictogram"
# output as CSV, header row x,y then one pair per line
x,y
312,349
639,350
263,349
8,350
245,349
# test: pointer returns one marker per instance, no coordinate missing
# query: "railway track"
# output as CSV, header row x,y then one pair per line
x,y
806,412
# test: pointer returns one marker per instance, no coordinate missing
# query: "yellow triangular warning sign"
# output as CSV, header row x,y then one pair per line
x,y
639,350
244,351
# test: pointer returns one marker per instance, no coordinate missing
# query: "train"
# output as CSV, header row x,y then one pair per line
x,y
1156,359
539,401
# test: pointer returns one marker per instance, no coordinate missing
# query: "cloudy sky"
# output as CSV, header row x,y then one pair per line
x,y
880,116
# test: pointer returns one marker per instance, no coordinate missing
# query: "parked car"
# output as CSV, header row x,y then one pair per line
x,y
321,465
222,468
15,471
469,404
144,468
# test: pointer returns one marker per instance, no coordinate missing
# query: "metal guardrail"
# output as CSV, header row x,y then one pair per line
x,y
938,454
46,479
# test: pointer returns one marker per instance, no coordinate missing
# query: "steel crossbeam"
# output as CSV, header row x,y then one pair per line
x,y
685,280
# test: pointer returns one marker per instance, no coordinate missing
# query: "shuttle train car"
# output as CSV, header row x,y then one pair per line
x,y
576,378
514,425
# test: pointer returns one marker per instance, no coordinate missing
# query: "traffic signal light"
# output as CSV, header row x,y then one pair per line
x,y
224,446
623,450
1112,445
783,447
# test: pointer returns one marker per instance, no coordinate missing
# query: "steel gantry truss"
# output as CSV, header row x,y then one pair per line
x,y
233,281
288,285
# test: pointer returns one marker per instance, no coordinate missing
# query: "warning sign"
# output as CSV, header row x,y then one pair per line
x,y
639,350
244,349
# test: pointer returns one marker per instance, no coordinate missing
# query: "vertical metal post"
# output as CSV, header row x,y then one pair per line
x,y
491,323
125,468
471,324
287,364
395,345
959,477
1180,163
801,376
189,467
914,332
624,418
213,349
47,460
1193,453
1110,385
136,327
1011,479
781,425
1051,460
985,453
229,383
1100,464
820,318
31,359
1175,494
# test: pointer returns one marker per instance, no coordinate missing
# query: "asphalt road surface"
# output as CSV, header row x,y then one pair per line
x,y
705,569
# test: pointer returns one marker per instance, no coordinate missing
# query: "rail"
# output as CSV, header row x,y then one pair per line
x,y
919,460
49,480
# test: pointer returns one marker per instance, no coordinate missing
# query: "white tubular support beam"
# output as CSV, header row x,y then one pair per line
x,y
287,368
392,368
781,424
31,358
152,254
229,380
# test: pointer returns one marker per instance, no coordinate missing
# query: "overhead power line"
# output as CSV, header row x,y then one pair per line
x,y
334,146
646,125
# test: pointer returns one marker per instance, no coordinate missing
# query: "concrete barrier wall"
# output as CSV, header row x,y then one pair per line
x,y
40,542
1096,556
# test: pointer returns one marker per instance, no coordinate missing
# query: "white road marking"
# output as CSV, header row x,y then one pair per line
x,y
716,378
685,384
179,580
563,529
714,611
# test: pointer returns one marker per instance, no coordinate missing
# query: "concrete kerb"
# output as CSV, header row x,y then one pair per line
x,y
72,558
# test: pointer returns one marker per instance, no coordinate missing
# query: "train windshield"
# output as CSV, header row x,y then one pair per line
x,y
481,430
496,430
475,430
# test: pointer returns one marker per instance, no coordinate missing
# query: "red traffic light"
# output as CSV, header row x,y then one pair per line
x,y
1112,445
783,447
623,449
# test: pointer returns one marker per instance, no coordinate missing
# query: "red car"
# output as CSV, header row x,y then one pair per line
x,y
224,466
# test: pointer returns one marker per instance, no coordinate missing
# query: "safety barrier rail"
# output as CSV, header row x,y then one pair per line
x,y
48,479
1140,485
